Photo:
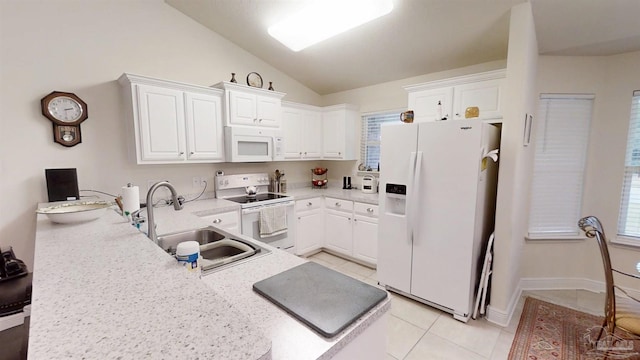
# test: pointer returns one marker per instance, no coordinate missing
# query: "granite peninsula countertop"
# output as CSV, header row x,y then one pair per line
x,y
102,289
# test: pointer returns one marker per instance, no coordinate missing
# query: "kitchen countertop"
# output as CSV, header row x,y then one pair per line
x,y
335,192
102,289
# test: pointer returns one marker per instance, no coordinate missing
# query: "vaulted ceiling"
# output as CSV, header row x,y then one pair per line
x,y
418,36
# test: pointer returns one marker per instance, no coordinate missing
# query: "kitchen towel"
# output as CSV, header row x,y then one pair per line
x,y
273,221
130,198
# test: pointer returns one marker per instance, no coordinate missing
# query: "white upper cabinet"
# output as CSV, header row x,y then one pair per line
x,y
450,98
431,105
486,95
161,123
173,122
200,130
302,131
312,135
251,106
339,132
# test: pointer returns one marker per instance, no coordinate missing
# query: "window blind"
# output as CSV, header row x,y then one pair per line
x,y
370,138
629,220
561,147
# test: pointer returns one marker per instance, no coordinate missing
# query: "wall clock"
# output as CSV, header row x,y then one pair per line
x,y
66,111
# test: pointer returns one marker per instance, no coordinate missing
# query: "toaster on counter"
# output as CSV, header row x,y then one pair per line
x,y
369,184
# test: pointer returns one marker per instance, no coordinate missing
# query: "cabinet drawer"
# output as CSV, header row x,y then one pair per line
x,y
308,204
225,220
338,204
366,209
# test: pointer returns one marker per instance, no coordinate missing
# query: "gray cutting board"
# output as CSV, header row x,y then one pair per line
x,y
324,299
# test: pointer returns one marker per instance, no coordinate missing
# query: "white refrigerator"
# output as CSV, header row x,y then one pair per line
x,y
437,209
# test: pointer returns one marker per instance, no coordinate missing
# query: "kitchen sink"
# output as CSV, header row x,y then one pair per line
x,y
217,249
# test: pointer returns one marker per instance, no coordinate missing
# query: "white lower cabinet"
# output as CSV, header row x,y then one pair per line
x,y
365,232
338,217
309,226
229,221
342,226
338,235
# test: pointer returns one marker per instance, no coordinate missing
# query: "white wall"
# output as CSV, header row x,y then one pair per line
x,y
83,47
612,79
515,163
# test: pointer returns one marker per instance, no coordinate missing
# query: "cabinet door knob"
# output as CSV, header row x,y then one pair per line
x,y
181,153
260,120
305,153
338,204
369,210
217,221
309,203
192,153
300,152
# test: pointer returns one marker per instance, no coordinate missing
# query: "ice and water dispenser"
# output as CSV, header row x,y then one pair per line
x,y
396,199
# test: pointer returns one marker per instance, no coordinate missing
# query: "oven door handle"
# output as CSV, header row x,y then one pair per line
x,y
258,208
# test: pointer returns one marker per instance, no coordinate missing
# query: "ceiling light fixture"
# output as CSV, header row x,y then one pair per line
x,y
323,19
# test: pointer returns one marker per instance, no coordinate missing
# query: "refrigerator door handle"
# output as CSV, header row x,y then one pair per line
x,y
415,195
409,196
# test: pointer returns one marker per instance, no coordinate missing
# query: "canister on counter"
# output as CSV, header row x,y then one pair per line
x,y
188,255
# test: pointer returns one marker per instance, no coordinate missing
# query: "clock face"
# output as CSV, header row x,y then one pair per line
x,y
65,109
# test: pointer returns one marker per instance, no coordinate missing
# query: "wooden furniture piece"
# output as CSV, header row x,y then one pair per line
x,y
621,312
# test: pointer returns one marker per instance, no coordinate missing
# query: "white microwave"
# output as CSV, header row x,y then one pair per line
x,y
247,144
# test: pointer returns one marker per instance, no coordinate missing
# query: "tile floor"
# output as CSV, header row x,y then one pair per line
x,y
417,331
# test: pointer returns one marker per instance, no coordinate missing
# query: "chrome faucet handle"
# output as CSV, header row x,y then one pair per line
x,y
137,218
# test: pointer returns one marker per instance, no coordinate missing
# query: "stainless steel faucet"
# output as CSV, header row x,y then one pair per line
x,y
150,221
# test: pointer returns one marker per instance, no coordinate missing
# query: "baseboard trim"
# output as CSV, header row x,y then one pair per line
x,y
561,284
500,317
503,317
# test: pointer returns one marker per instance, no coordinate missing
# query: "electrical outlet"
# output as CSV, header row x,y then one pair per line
x,y
196,182
203,181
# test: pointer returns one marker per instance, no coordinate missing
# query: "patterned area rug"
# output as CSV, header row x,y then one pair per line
x,y
547,331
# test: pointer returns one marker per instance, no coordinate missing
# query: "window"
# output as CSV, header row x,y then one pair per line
x,y
558,170
629,221
370,138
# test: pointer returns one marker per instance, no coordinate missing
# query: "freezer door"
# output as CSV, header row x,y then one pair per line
x,y
445,213
397,165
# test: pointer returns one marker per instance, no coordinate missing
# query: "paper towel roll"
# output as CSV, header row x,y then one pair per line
x,y
130,198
